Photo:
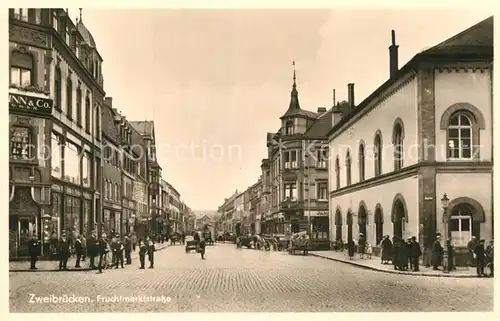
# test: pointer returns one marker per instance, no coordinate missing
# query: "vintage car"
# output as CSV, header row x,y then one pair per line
x,y
299,242
191,244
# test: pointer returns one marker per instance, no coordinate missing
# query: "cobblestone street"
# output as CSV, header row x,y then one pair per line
x,y
233,279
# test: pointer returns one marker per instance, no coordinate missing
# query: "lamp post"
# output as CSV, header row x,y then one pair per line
x,y
444,203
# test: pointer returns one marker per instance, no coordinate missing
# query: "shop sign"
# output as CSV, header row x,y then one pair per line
x,y
319,213
31,104
116,207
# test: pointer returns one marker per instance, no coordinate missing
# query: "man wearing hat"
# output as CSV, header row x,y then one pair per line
x,y
128,249
63,252
415,253
471,246
34,251
479,253
361,245
409,261
118,252
437,253
101,249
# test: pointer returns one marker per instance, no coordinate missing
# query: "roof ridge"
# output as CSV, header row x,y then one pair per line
x,y
460,34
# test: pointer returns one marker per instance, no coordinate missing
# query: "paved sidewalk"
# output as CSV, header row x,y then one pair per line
x,y
374,264
53,266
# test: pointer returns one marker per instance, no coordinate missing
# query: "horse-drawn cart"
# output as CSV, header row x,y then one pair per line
x,y
299,242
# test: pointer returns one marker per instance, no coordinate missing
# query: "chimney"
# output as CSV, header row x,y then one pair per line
x,y
321,110
109,101
350,95
393,55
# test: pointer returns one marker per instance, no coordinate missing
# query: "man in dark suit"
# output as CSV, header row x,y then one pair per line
x,y
479,253
128,249
118,252
416,253
92,249
78,250
63,252
34,251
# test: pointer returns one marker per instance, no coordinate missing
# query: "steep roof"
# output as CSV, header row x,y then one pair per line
x,y
475,42
320,127
87,36
108,125
294,109
145,127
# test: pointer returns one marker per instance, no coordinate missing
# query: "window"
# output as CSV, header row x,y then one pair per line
x,y
20,143
38,15
56,156
77,50
291,191
460,225
55,20
289,129
320,228
97,122
79,107
57,89
67,35
348,168
460,136
337,172
69,98
361,156
290,158
105,192
71,163
322,157
87,114
398,146
377,150
21,69
86,169
322,191
72,216
21,14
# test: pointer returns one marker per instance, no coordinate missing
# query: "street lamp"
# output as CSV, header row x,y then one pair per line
x,y
444,203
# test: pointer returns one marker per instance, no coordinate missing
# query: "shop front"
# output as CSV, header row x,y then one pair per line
x,y
111,219
319,227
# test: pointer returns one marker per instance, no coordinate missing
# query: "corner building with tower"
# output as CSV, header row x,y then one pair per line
x,y
415,158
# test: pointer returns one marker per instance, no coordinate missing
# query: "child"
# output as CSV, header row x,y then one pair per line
x,y
202,248
142,253
369,251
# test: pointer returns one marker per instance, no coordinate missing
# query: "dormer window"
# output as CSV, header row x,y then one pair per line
x,y
55,21
289,129
21,14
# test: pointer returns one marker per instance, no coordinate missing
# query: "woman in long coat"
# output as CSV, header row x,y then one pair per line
x,y
437,253
386,246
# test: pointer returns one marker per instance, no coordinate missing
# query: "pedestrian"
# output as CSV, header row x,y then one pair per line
x,y
437,253
134,241
118,252
113,247
361,245
143,249
369,251
78,250
403,256
471,246
489,257
386,246
84,247
202,248
34,251
409,264
102,248
479,254
128,249
92,249
450,260
415,253
350,248
151,250
64,252
395,252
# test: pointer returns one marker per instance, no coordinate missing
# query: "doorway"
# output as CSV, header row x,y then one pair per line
x,y
399,220
21,230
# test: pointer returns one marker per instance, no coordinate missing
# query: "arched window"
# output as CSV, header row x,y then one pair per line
x,y
361,156
348,168
57,89
88,114
97,122
337,172
460,136
69,98
289,130
379,224
21,69
398,146
461,225
377,150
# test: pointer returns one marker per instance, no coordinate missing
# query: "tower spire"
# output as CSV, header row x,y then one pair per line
x,y
294,101
80,14
294,77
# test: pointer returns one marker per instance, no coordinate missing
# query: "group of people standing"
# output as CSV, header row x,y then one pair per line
x,y
404,255
110,251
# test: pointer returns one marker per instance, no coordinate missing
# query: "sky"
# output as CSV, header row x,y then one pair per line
x,y
216,81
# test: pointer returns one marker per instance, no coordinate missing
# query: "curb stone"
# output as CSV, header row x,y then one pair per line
x,y
450,275
69,270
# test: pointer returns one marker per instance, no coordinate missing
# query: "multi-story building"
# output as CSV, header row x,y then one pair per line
x,y
298,168
239,208
421,139
175,209
139,224
146,129
227,210
255,195
55,99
